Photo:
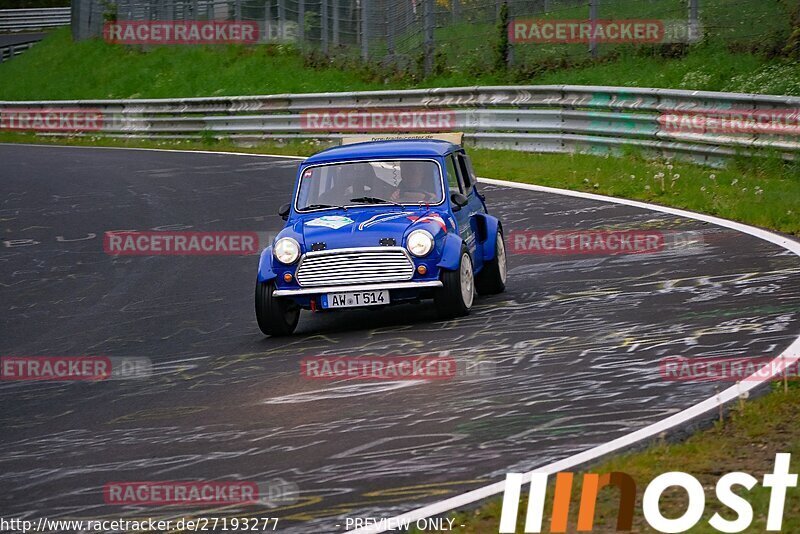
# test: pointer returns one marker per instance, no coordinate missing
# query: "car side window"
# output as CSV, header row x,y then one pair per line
x,y
465,166
452,176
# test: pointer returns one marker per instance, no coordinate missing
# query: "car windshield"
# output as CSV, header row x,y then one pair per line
x,y
370,182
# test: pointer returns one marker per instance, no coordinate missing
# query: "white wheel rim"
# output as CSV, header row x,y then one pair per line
x,y
467,285
501,257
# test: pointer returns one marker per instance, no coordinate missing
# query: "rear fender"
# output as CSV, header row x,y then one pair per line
x,y
489,245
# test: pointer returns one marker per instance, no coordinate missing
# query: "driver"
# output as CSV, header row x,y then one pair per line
x,y
417,184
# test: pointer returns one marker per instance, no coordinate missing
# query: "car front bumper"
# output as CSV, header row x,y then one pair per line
x,y
352,288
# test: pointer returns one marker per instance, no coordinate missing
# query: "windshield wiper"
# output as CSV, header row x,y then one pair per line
x,y
323,206
375,200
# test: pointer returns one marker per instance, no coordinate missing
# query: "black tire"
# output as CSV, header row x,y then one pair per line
x,y
275,316
449,299
492,278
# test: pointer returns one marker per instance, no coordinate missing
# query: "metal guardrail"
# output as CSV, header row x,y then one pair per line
x,y
25,20
11,51
558,118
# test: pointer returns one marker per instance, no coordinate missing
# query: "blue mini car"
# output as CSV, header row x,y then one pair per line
x,y
379,223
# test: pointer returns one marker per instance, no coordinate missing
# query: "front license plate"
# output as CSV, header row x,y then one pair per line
x,y
358,298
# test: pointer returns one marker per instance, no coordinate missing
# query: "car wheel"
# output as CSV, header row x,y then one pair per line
x,y
492,278
454,298
275,316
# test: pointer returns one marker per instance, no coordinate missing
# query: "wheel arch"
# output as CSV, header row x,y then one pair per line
x,y
451,252
265,272
491,225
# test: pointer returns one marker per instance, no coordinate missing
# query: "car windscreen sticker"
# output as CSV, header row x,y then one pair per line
x,y
331,221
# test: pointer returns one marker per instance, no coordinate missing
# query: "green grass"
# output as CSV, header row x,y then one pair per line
x,y
760,191
59,69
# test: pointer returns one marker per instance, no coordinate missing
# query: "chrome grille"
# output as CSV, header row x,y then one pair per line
x,y
354,266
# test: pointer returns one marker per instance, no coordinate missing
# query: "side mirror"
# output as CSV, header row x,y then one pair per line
x,y
458,201
283,211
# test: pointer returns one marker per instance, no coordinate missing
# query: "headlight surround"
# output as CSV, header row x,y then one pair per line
x,y
419,243
286,250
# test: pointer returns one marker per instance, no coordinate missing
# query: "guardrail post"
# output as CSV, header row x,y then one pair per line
x,y
593,5
429,27
456,13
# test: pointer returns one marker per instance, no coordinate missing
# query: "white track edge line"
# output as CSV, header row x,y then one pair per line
x,y
787,357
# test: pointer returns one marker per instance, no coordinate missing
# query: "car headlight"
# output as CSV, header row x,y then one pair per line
x,y
419,243
286,250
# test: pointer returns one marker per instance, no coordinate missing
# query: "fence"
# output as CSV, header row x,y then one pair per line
x,y
466,34
26,20
707,127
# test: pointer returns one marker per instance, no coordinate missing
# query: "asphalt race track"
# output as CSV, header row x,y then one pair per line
x,y
572,347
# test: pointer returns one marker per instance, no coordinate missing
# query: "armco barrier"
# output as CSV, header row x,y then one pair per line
x,y
558,118
11,51
27,20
